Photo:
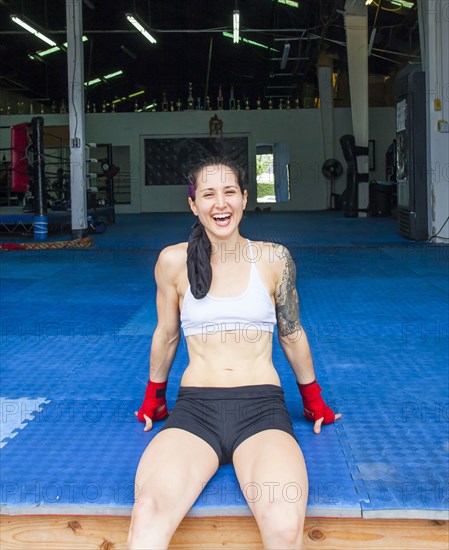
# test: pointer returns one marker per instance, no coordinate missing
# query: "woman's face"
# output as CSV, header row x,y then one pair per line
x,y
219,202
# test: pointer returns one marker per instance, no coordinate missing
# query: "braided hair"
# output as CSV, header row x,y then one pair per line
x,y
199,247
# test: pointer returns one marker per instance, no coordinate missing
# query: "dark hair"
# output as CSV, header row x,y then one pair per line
x,y
199,246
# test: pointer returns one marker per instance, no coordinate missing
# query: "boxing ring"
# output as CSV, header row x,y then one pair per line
x,y
38,175
76,330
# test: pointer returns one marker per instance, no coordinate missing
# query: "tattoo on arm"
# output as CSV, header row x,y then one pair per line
x,y
286,298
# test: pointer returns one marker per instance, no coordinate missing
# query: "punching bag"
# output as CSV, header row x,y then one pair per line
x,y
350,196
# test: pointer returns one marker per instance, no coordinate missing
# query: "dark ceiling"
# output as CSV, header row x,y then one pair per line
x,y
190,44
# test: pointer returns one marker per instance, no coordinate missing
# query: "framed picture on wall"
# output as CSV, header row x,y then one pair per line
x,y
169,160
372,155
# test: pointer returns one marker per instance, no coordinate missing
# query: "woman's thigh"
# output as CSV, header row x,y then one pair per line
x,y
173,471
272,474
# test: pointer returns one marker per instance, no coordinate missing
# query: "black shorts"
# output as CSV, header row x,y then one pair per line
x,y
225,417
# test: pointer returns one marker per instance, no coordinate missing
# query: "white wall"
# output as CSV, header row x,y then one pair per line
x,y
301,128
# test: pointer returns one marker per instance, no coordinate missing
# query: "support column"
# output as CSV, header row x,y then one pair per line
x,y
75,68
434,26
326,94
356,24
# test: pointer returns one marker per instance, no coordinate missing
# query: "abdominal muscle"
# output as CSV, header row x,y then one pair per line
x,y
230,359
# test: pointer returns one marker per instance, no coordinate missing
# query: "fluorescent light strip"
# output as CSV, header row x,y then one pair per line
x,y
402,3
236,19
129,97
32,30
290,3
140,27
43,53
92,82
113,75
103,78
229,35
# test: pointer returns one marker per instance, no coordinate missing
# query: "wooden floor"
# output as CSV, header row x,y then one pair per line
x,y
109,533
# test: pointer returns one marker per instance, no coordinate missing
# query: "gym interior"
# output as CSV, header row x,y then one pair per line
x,y
366,225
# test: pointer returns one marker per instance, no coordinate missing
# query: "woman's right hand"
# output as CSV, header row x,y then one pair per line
x,y
154,406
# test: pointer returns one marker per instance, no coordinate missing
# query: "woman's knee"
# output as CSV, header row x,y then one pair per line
x,y
281,523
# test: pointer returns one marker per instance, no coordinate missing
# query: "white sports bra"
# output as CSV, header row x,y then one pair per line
x,y
251,311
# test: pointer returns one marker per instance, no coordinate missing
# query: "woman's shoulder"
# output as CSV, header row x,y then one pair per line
x,y
271,252
173,257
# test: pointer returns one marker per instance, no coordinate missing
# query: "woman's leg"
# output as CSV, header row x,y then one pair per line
x,y
272,474
172,472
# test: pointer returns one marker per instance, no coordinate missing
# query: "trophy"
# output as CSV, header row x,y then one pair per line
x,y
297,103
179,104
136,106
164,102
62,108
259,103
154,106
88,107
208,107
247,104
113,107
198,104
238,105
220,99
190,98
281,104
232,99
288,103
172,106
270,103
53,106
94,108
103,107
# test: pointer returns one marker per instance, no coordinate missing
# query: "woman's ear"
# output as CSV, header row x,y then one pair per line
x,y
192,206
245,198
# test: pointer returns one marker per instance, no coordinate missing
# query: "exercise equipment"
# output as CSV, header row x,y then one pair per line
x,y
332,170
20,141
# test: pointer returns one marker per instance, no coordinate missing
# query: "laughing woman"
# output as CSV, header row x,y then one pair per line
x,y
226,293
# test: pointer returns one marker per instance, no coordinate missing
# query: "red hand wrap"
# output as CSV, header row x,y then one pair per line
x,y
154,398
314,406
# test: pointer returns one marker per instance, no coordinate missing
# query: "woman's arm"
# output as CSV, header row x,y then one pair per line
x,y
292,336
293,340
166,335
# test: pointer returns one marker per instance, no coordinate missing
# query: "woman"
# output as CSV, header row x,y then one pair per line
x,y
228,294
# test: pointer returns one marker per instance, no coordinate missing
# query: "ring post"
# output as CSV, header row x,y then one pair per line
x,y
40,222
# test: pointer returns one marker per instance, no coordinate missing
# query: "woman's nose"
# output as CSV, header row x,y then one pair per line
x,y
220,200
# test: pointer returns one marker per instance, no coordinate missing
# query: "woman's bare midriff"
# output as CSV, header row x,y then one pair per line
x,y
229,359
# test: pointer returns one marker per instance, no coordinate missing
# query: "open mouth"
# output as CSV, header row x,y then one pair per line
x,y
222,219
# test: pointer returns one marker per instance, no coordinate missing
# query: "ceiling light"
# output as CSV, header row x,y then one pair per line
x,y
402,3
290,3
285,55
368,2
137,93
229,35
113,75
128,52
236,27
31,28
43,53
371,41
140,26
92,82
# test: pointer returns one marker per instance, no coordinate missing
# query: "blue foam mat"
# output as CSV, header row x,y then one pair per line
x,y
76,330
